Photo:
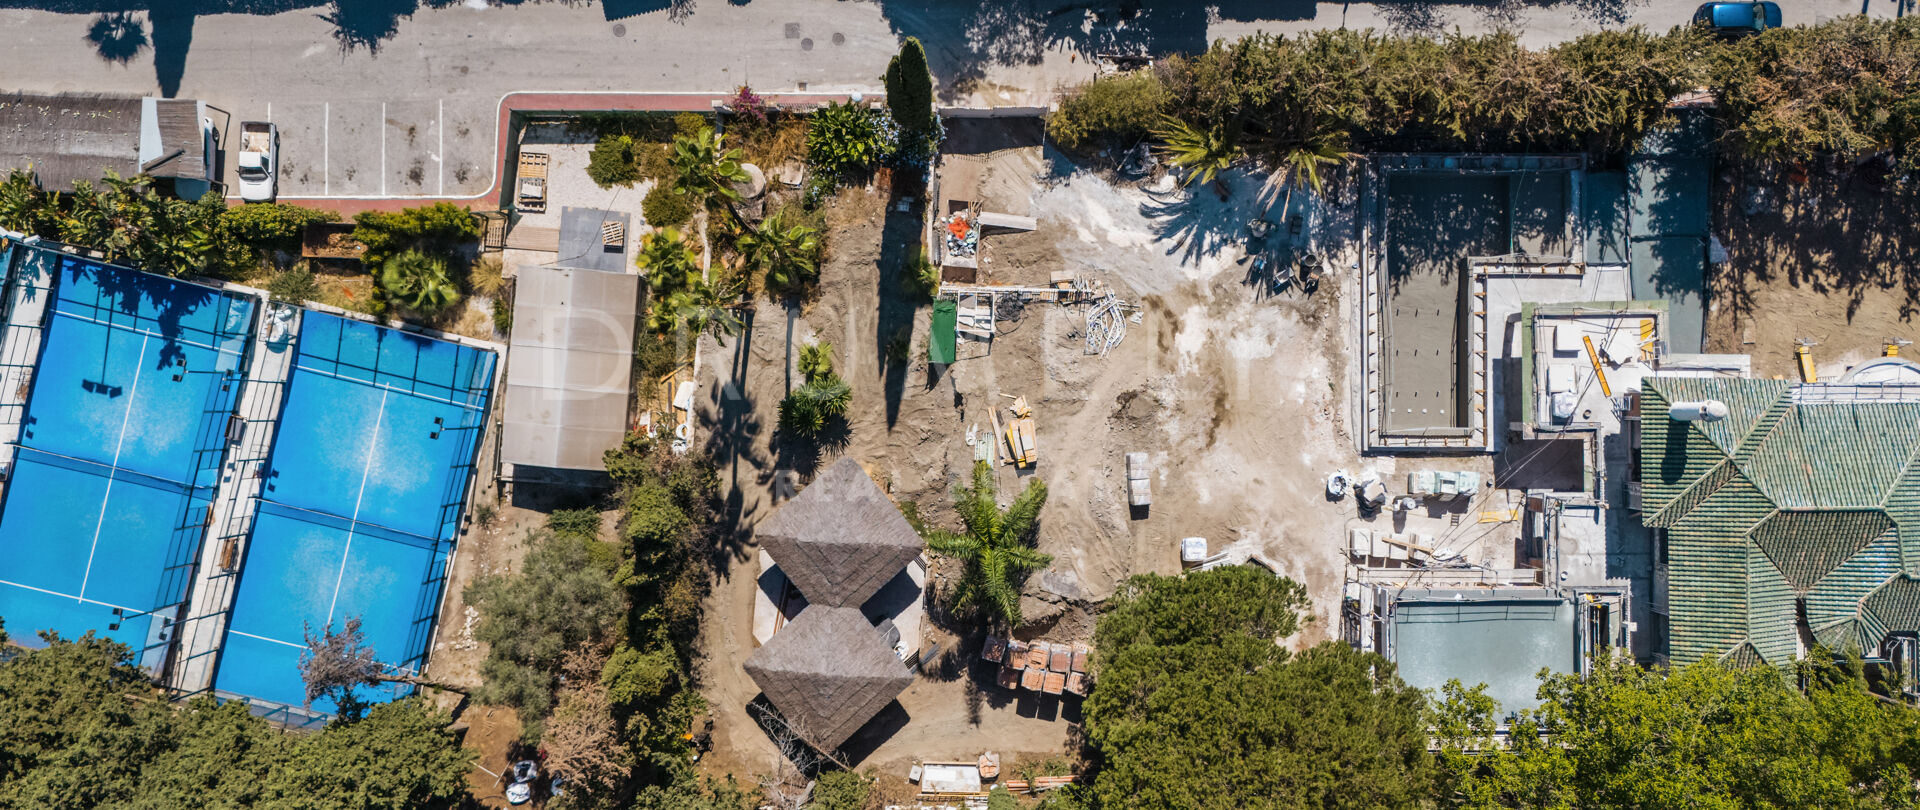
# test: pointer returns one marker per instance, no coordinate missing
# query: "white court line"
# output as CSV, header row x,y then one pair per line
x,y
389,388
373,443
264,638
24,586
145,333
126,419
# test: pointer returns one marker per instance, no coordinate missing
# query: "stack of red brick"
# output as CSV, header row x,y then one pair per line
x,y
1049,667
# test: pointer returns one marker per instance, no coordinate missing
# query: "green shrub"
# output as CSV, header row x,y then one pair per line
x,y
842,790
1000,799
634,679
271,226
1122,108
439,229
844,141
921,277
665,209
653,517
575,522
611,163
689,124
655,161
294,286
502,317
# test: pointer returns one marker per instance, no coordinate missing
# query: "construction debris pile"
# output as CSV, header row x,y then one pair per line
x,y
1048,668
963,237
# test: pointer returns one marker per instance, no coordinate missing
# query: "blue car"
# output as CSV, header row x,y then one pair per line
x,y
1737,19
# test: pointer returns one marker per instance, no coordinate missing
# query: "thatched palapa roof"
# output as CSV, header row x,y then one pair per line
x,y
828,672
841,539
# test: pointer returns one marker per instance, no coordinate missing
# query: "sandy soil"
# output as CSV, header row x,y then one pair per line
x,y
1235,393
1824,258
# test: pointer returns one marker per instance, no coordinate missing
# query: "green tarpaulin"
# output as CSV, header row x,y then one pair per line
x,y
940,346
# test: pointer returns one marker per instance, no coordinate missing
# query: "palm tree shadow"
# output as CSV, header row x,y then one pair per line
x,y
118,37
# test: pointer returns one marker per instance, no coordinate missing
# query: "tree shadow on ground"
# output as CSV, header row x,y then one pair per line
x,y
735,424
1833,229
118,37
900,240
963,40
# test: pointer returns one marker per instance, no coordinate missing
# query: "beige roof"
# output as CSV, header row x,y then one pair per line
x,y
569,368
828,671
841,539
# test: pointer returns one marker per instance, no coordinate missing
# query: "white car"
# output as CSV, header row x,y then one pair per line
x,y
259,164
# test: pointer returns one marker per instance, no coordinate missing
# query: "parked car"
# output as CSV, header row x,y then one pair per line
x,y
1737,19
259,161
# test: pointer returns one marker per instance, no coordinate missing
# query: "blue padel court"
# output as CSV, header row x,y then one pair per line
x,y
375,448
119,453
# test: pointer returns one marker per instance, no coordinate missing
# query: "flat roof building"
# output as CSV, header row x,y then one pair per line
x,y
63,139
570,370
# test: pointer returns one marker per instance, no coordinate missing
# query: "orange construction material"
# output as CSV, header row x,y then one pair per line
x,y
1062,658
959,228
1055,683
1038,654
1034,680
1594,358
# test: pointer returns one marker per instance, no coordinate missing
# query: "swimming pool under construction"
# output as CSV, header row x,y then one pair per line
x,y
206,477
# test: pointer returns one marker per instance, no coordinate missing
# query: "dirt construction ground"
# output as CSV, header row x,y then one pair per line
x,y
1818,255
1236,393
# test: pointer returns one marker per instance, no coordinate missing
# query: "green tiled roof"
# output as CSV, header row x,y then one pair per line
x,y
1805,544
1770,609
1835,456
1777,503
1837,596
1896,606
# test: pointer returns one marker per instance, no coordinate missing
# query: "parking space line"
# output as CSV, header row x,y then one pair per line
x,y
326,146
270,116
383,149
440,151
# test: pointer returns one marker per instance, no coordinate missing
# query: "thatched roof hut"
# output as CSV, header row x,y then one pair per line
x,y
828,672
841,539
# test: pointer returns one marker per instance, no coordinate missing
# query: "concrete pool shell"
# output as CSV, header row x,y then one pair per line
x,y
1431,222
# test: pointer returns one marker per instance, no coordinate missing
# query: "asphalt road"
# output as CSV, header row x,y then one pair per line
x,y
386,104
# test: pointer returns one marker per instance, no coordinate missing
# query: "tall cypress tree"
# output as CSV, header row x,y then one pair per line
x,y
910,88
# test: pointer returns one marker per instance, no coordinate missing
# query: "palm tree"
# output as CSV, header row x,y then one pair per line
x,y
703,169
1203,153
806,410
996,548
816,360
789,255
419,281
1300,155
669,261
